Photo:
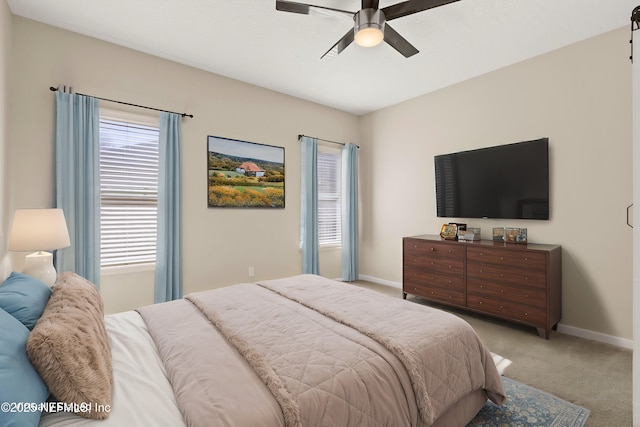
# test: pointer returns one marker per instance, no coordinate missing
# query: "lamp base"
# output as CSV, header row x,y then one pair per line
x,y
40,266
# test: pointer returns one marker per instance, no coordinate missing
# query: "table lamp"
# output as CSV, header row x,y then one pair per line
x,y
39,230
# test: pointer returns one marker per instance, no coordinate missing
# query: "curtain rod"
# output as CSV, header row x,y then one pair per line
x,y
54,89
325,140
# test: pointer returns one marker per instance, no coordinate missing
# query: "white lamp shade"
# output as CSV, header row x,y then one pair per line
x,y
38,230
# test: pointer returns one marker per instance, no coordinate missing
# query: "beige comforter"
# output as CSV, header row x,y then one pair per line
x,y
307,351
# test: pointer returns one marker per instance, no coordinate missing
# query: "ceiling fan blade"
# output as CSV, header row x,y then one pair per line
x,y
412,6
398,42
309,9
370,4
341,45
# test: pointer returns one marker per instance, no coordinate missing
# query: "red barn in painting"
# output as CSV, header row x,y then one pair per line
x,y
250,169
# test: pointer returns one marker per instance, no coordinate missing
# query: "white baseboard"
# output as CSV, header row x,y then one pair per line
x,y
380,281
565,329
595,336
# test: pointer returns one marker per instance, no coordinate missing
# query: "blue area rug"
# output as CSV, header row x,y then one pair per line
x,y
528,407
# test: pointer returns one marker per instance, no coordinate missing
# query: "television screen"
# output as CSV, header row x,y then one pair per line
x,y
507,181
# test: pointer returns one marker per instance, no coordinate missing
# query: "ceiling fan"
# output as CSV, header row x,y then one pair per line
x,y
370,23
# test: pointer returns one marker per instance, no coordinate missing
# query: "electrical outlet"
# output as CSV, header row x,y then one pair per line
x,y
251,272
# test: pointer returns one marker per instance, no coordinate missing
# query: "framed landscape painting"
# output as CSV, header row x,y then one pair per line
x,y
244,174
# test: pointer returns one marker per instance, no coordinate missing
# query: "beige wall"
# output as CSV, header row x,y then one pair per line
x,y
577,96
219,244
5,55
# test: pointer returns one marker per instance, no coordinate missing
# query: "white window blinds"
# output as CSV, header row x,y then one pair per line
x,y
128,192
329,195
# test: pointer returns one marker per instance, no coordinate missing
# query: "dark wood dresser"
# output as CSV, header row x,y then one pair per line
x,y
520,283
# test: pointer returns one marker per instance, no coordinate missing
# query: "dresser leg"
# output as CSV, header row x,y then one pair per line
x,y
404,295
544,333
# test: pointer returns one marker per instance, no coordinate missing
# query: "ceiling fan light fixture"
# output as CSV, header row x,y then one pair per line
x,y
369,37
369,27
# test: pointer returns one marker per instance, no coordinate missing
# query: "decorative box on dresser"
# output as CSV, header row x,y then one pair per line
x,y
517,282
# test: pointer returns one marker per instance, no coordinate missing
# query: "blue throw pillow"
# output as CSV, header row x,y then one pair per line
x,y
24,297
19,381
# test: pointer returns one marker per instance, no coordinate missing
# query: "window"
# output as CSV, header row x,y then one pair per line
x,y
128,189
329,195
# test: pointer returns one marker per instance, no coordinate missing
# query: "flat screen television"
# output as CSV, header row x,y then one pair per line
x,y
507,181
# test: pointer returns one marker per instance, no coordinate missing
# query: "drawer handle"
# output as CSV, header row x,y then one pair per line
x,y
480,302
526,259
433,249
501,259
481,254
501,307
450,251
526,314
481,286
450,266
502,291
449,296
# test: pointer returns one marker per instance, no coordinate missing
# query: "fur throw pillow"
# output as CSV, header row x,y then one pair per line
x,y
70,349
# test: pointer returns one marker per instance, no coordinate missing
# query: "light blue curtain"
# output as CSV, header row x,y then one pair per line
x,y
309,206
168,274
78,182
350,213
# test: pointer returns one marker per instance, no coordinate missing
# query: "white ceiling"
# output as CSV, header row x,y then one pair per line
x,y
249,40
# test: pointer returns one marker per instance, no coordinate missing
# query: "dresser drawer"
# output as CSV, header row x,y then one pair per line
x,y
433,279
448,296
531,297
491,273
449,266
511,259
536,316
434,249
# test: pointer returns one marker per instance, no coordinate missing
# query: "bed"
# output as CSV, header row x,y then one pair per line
x,y
297,351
